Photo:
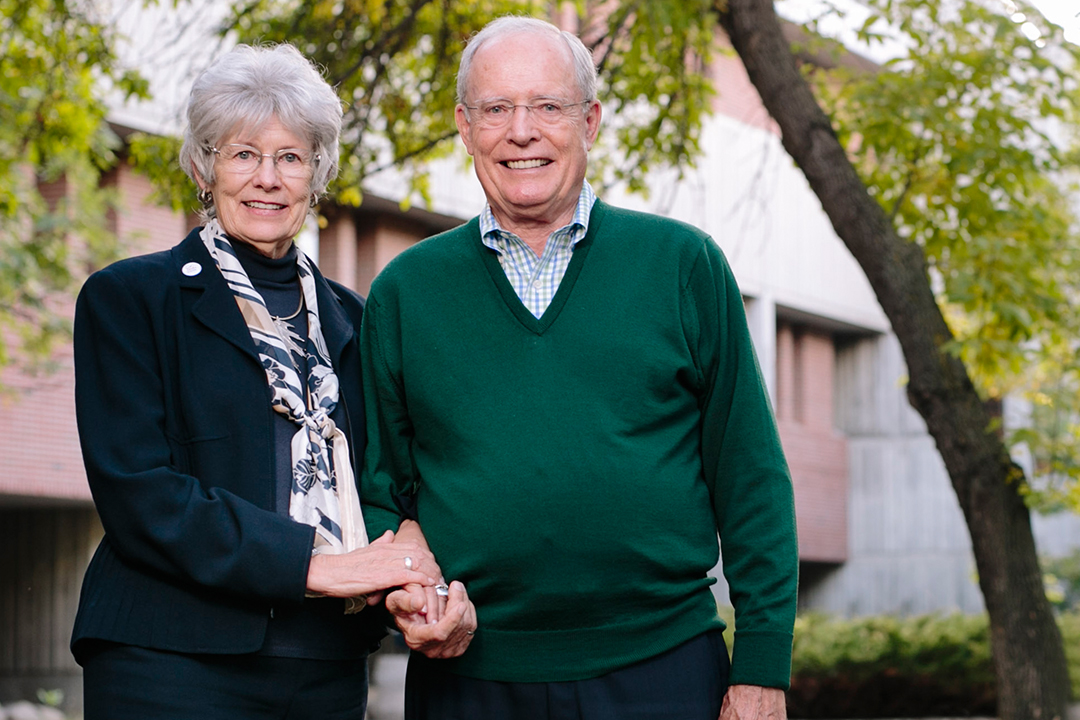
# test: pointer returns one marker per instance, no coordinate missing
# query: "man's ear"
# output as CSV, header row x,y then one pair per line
x,y
592,122
462,119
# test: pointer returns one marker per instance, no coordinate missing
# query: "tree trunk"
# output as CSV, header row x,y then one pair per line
x,y
1029,658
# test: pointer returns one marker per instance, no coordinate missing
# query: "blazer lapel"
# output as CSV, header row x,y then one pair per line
x,y
336,326
215,306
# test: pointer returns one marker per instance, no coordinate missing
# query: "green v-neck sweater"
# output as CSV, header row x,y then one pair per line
x,y
574,470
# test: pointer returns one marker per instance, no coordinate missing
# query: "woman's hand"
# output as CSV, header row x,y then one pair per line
x,y
447,637
368,570
409,531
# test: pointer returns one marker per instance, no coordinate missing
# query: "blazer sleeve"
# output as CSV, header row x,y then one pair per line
x,y
158,519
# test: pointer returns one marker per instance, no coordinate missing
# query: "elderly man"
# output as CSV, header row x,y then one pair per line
x,y
564,394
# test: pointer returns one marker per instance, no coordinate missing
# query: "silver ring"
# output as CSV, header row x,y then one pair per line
x,y
470,632
442,590
408,563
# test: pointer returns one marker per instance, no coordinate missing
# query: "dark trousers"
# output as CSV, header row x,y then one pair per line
x,y
121,682
685,683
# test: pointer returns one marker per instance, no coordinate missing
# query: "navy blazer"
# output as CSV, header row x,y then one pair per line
x,y
175,425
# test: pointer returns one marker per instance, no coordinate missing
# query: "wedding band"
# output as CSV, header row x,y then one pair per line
x,y
470,632
408,563
442,590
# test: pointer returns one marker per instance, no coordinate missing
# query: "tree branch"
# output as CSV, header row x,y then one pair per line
x,y
393,38
415,152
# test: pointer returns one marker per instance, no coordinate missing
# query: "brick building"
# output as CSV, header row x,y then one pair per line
x,y
879,528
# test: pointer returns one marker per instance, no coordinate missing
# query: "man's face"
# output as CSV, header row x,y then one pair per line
x,y
531,170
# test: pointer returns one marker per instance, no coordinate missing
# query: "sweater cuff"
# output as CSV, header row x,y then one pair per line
x,y
761,658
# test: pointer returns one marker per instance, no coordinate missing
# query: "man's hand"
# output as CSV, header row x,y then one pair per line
x,y
753,702
446,637
410,532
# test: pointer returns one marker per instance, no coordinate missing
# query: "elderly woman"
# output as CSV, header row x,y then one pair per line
x,y
221,419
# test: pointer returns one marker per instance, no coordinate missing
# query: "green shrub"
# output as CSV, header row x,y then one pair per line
x,y
889,667
1070,634
923,666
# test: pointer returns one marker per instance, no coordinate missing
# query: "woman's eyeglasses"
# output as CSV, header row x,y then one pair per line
x,y
245,160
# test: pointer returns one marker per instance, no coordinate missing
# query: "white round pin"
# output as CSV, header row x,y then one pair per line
x,y
191,269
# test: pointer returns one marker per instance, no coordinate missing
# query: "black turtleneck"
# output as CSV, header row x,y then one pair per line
x,y
278,282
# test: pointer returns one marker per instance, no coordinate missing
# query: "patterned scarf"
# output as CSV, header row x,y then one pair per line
x,y
323,491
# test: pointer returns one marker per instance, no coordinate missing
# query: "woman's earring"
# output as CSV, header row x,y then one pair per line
x,y
205,197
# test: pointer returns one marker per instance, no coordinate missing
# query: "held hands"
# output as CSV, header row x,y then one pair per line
x,y
752,702
438,627
372,569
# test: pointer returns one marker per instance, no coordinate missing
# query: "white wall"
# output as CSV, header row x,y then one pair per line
x,y
747,193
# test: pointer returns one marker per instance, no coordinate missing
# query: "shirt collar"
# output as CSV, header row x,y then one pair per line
x,y
492,234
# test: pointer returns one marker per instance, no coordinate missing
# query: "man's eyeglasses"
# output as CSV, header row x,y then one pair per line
x,y
498,113
245,160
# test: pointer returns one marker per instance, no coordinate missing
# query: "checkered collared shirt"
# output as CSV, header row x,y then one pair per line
x,y
536,279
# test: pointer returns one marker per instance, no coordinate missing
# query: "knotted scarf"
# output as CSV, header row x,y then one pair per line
x,y
323,490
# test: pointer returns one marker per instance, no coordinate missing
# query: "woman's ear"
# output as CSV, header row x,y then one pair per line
x,y
198,178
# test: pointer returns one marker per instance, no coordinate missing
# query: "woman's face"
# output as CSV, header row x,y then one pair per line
x,y
264,207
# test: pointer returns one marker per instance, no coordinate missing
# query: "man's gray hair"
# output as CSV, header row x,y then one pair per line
x,y
584,67
248,86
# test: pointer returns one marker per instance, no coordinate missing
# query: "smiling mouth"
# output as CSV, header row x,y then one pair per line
x,y
525,164
264,205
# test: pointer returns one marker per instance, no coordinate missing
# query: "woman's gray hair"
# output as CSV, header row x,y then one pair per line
x,y
248,86
584,67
